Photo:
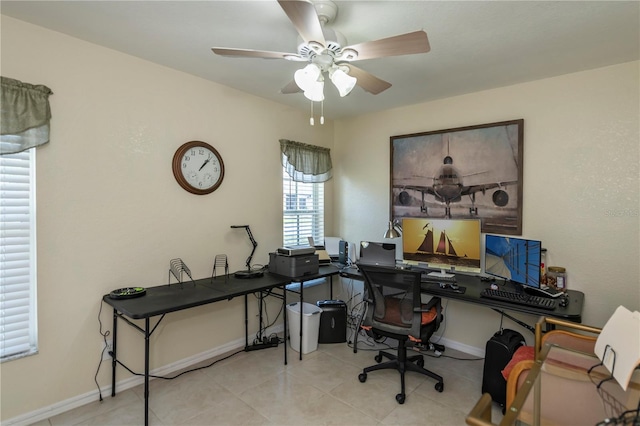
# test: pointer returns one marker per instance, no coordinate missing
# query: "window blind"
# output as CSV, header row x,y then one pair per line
x,y
17,255
303,207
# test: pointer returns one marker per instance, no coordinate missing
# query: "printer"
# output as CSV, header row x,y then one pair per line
x,y
294,263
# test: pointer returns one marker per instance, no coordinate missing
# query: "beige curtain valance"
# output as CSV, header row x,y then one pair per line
x,y
24,122
306,163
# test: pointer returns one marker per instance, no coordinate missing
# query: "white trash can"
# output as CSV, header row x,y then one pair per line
x,y
310,326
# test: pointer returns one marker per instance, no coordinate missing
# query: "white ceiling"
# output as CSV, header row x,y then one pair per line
x,y
475,45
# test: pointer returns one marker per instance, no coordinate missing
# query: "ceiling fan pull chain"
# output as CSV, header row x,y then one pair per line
x,y
322,112
311,122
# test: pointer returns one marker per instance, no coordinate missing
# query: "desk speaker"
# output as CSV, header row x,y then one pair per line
x,y
343,252
333,321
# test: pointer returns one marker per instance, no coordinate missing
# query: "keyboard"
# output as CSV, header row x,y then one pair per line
x,y
519,298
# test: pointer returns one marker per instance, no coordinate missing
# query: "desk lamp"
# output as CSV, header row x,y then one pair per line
x,y
248,273
394,231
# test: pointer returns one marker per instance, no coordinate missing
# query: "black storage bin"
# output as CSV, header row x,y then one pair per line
x,y
333,321
500,349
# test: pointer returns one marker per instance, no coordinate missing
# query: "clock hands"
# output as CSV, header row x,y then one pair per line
x,y
205,163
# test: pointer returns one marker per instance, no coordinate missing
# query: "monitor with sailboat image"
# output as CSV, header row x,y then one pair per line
x,y
447,245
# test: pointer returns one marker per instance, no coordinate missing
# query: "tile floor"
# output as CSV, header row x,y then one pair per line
x,y
256,388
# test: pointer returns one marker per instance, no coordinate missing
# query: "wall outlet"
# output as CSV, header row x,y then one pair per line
x,y
105,352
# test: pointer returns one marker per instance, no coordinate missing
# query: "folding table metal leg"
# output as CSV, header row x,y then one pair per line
x,y
113,357
246,322
331,287
284,308
301,315
147,334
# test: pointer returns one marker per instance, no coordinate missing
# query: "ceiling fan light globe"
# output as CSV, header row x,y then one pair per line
x,y
315,93
306,77
343,81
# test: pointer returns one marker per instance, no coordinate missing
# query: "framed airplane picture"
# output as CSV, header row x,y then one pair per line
x,y
470,172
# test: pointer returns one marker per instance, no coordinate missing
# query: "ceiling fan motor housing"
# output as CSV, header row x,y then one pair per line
x,y
334,40
327,11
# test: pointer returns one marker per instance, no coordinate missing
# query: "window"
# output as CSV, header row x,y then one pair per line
x,y
18,333
303,211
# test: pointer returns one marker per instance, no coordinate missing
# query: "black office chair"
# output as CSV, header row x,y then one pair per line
x,y
394,310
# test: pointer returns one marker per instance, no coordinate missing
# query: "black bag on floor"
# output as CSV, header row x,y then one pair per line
x,y
500,349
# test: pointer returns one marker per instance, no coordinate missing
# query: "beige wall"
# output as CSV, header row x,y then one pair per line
x,y
110,213
581,180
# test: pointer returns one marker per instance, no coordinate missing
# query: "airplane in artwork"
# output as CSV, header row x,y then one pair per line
x,y
448,187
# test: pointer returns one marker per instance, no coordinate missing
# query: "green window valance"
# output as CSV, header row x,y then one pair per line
x,y
306,163
24,122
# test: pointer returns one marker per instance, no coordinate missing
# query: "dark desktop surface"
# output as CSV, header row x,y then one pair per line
x,y
474,285
167,298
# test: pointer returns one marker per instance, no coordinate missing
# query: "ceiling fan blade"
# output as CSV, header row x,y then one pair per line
x,y
291,87
404,44
368,81
304,18
250,53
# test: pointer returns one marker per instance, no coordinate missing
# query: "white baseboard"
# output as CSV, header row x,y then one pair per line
x,y
131,382
471,350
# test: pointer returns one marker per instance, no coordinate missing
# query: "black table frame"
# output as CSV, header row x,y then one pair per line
x,y
161,300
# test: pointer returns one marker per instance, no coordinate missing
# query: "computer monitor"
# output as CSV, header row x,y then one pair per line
x,y
443,244
374,253
513,259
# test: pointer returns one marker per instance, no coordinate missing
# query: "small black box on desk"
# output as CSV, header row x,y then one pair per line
x,y
333,321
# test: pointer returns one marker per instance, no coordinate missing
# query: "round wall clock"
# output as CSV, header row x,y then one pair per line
x,y
198,167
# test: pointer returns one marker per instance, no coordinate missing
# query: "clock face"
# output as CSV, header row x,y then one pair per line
x,y
198,167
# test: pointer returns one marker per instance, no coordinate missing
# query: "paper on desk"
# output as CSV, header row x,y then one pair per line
x,y
618,345
332,245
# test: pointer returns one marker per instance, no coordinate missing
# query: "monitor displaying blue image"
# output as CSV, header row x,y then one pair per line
x,y
514,259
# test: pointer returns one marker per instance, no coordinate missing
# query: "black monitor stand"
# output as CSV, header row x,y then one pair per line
x,y
442,273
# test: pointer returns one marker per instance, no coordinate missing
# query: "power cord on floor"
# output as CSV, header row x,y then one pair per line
x,y
107,333
104,335
262,331
183,372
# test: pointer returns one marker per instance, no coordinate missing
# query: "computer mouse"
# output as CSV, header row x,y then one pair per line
x,y
564,301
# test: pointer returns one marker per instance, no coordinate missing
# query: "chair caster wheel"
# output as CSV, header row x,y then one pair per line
x,y
400,398
378,358
439,386
362,377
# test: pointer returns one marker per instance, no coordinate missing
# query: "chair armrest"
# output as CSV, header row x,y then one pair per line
x,y
480,414
426,307
517,375
581,340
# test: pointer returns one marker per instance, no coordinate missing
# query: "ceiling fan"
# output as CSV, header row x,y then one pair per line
x,y
326,54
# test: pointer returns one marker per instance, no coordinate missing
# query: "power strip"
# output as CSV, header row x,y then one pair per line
x,y
273,343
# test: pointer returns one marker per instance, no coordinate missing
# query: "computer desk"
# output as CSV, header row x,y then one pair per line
x,y
473,287
161,300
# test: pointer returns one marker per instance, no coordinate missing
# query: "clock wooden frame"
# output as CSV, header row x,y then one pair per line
x,y
177,167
